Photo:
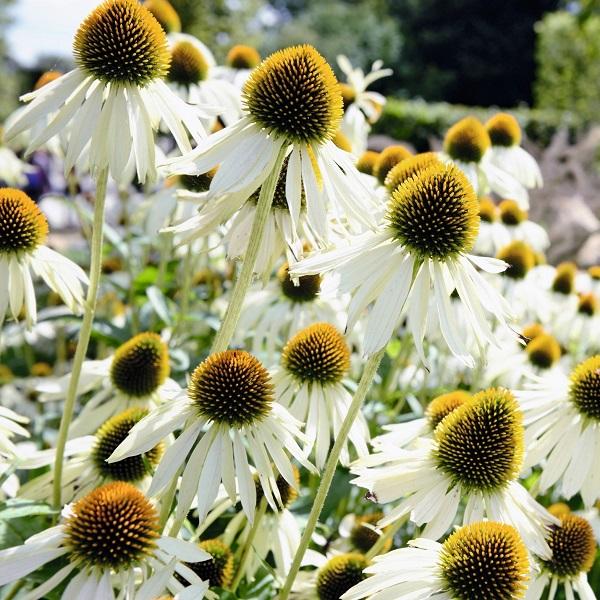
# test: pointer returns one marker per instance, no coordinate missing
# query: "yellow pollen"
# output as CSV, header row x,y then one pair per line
x,y
367,161
23,226
412,165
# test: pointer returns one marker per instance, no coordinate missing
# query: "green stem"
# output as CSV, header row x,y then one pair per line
x,y
357,401
234,308
84,333
14,590
184,307
248,544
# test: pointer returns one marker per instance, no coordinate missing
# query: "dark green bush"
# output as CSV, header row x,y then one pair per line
x,y
417,121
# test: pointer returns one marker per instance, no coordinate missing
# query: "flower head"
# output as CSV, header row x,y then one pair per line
x,y
467,141
108,438
520,258
188,63
441,406
122,42
115,526
573,547
294,94
23,226
543,351
485,560
480,444
218,570
584,391
140,366
303,289
511,213
366,162
339,574
318,353
388,159
564,278
165,14
231,387
243,57
408,167
488,212
435,214
504,130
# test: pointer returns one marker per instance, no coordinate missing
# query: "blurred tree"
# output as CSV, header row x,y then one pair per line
x,y
8,89
469,51
360,29
222,23
568,54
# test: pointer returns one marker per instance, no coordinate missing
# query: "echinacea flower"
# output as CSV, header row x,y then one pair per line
x,y
476,455
85,467
165,14
362,107
312,382
467,144
419,255
191,75
136,375
218,569
23,231
292,103
506,153
482,560
109,538
573,553
562,418
227,413
388,158
114,98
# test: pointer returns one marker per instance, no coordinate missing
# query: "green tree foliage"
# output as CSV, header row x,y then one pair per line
x,y
568,55
221,23
8,89
362,30
469,51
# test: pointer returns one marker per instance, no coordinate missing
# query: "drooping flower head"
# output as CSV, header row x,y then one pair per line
x,y
241,56
219,569
408,167
520,258
165,14
23,226
388,158
467,141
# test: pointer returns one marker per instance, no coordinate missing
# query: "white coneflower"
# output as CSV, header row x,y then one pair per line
x,y
114,98
135,375
218,570
404,434
506,153
86,468
292,103
519,227
419,255
109,538
483,560
562,418
573,554
273,314
468,145
361,107
580,329
476,455
23,231
388,158
229,413
191,74
312,382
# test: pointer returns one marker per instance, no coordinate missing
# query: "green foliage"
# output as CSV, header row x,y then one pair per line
x,y
417,121
360,30
468,51
568,55
221,24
